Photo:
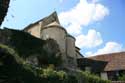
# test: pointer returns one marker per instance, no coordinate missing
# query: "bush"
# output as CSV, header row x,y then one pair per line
x,y
9,54
52,76
26,45
121,78
90,78
13,70
49,75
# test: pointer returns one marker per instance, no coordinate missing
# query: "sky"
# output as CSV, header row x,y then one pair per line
x,y
97,25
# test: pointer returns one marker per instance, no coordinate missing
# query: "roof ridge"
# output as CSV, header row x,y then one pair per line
x,y
53,17
106,54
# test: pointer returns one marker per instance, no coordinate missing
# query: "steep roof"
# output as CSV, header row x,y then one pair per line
x,y
45,21
116,61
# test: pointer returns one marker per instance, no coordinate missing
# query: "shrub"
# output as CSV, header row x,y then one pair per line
x,y
91,78
12,69
8,53
121,78
26,45
50,75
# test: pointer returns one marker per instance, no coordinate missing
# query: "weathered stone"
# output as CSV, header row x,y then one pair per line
x,y
49,27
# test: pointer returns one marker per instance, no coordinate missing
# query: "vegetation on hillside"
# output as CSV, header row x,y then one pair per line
x,y
12,69
121,78
15,69
27,46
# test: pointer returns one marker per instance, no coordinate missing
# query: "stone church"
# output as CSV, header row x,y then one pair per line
x,y
50,27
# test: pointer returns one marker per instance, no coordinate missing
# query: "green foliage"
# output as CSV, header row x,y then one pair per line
x,y
49,75
52,54
14,69
91,78
121,78
26,45
52,76
9,51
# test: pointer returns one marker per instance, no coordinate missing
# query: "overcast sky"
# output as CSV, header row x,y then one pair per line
x,y
97,25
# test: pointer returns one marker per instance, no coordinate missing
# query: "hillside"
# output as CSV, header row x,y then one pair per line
x,y
18,50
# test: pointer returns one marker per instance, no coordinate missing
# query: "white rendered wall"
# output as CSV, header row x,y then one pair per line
x,y
71,46
104,75
71,51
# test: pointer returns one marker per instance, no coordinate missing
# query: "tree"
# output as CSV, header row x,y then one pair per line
x,y
51,54
12,69
4,5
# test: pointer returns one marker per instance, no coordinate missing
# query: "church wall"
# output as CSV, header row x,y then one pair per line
x,y
58,34
49,27
70,46
71,53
